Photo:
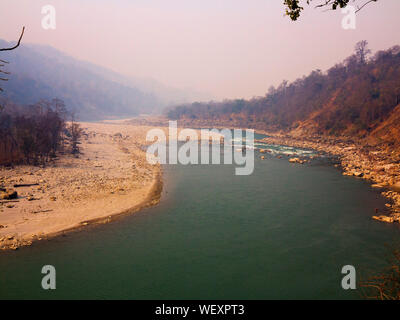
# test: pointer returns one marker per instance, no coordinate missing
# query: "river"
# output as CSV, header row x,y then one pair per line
x,y
284,232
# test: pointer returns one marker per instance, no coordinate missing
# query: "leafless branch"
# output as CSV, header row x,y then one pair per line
x,y
329,2
17,45
368,2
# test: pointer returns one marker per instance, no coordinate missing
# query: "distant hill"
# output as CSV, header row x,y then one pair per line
x,y
93,92
358,98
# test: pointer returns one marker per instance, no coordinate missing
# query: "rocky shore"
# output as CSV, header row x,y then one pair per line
x,y
378,164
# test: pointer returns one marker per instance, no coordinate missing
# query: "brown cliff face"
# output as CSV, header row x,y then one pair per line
x,y
389,130
383,131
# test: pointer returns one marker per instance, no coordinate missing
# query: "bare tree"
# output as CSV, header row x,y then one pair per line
x,y
362,51
32,134
76,133
3,62
18,43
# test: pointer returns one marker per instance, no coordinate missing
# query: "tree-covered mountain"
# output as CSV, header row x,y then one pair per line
x,y
359,97
91,91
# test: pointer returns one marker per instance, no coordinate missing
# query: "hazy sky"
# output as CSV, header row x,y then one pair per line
x,y
229,48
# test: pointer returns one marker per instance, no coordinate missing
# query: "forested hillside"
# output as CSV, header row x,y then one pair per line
x,y
359,98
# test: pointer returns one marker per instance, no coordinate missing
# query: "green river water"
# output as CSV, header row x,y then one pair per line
x,y
284,232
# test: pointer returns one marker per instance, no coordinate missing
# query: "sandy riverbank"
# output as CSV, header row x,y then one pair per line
x,y
111,177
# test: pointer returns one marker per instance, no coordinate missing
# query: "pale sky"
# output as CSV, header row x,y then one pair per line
x,y
228,48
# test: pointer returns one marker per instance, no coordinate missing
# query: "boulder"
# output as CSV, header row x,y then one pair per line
x,y
378,185
384,218
396,186
296,160
358,174
8,194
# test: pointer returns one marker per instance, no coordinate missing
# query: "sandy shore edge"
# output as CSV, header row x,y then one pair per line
x,y
152,199
110,179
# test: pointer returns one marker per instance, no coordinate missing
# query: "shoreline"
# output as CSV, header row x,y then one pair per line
x,y
110,179
377,164
152,199
371,163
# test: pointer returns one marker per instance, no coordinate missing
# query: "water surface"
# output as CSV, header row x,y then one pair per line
x,y
283,232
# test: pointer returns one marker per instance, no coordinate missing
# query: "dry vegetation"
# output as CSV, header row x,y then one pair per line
x,y
355,99
35,134
386,285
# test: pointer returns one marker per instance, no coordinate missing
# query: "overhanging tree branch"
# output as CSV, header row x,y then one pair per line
x,y
3,61
294,8
17,45
368,2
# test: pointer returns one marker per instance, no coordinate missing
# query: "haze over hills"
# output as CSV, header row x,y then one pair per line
x,y
358,98
91,91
